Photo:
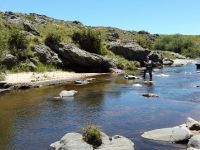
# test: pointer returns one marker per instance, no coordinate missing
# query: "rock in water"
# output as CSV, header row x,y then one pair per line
x,y
193,124
175,134
116,142
71,141
194,143
137,85
130,77
67,93
149,95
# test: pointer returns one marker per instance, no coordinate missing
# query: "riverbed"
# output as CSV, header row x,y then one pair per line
x,y
32,120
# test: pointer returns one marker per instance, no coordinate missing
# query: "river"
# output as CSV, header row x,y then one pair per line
x,y
31,120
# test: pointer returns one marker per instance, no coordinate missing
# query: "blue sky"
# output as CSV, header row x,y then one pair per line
x,y
155,16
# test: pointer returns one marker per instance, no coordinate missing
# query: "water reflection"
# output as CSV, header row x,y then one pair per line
x,y
32,119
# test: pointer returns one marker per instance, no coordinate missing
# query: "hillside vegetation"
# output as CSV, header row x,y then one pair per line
x,y
20,33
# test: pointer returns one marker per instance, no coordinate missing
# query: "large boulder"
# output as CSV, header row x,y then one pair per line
x,y
83,61
131,51
194,143
46,55
73,141
9,61
175,134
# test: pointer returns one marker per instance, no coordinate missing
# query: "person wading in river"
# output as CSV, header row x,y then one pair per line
x,y
148,68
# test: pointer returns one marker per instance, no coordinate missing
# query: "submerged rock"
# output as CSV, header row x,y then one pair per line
x,y
131,77
74,141
175,134
65,93
194,143
150,95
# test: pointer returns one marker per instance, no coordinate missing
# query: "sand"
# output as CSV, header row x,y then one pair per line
x,y
33,77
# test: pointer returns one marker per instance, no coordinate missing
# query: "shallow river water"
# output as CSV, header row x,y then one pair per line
x,y
31,120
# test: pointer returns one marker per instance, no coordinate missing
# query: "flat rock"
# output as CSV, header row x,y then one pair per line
x,y
174,134
194,143
116,142
71,141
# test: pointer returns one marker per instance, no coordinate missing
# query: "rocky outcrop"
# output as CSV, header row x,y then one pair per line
x,y
30,28
9,61
130,51
74,141
12,17
47,56
83,61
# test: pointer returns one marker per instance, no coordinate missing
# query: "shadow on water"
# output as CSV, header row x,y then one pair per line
x,y
33,120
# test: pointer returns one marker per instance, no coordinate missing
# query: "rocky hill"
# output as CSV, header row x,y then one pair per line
x,y
33,42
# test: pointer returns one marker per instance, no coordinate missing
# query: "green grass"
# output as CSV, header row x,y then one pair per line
x,y
92,135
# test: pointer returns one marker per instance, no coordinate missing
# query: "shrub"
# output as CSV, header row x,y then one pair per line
x,y
125,64
176,43
52,40
18,44
92,135
88,40
191,52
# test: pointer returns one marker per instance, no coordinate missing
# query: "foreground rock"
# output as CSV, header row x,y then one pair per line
x,y
194,143
73,141
83,61
175,134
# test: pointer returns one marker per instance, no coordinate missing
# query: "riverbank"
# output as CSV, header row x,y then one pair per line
x,y
181,62
26,80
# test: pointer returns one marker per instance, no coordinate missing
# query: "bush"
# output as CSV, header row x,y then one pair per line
x,y
125,64
88,40
191,52
92,135
52,40
176,43
18,44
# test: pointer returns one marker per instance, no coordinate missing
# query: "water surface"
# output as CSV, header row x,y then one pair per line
x,y
31,120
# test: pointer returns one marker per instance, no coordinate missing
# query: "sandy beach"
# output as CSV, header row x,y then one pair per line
x,y
33,77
